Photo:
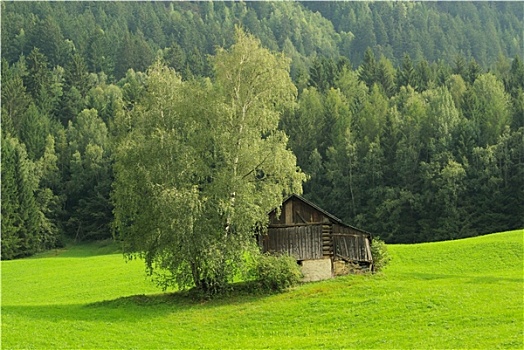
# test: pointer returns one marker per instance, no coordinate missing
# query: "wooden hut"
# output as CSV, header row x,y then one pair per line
x,y
323,245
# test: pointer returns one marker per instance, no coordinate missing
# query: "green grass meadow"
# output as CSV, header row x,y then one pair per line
x,y
459,294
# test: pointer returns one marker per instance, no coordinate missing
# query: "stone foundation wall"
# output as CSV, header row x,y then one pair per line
x,y
316,270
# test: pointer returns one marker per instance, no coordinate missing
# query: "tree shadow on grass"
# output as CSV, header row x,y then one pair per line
x,y
236,293
123,309
430,276
137,307
181,300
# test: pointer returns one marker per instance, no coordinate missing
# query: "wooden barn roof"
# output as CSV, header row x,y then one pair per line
x,y
329,215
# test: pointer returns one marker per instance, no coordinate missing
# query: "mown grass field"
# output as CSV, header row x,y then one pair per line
x,y
460,294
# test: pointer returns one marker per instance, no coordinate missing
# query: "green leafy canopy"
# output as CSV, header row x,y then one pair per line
x,y
200,163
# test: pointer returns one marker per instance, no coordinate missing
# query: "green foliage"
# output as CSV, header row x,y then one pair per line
x,y
400,146
276,273
22,219
90,177
192,180
114,37
493,108
430,30
380,254
133,53
368,69
42,83
406,168
34,129
15,98
48,196
385,76
76,74
406,73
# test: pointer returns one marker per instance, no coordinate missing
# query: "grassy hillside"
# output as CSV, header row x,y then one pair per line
x,y
459,294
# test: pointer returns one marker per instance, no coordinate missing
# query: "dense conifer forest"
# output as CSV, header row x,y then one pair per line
x,y
408,119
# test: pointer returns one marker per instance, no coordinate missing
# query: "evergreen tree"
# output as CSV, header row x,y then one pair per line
x,y
473,71
368,69
33,132
322,74
21,217
12,223
385,76
38,78
460,67
71,104
76,75
15,99
47,37
423,76
100,57
406,74
516,75
175,57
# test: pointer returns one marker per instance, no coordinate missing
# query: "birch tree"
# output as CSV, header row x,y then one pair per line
x,y
199,164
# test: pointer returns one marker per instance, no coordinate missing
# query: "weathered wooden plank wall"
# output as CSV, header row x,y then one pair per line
x,y
303,242
352,247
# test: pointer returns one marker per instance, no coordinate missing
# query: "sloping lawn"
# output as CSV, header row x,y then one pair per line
x,y
459,294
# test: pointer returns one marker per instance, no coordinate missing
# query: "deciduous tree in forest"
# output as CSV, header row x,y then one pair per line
x,y
90,178
493,112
